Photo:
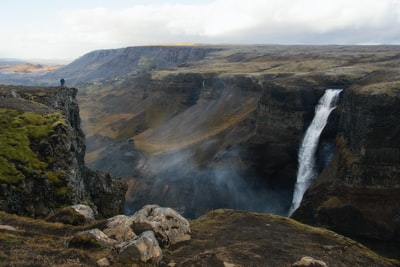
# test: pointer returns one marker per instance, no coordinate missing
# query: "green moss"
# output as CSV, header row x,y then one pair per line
x,y
62,191
18,130
54,177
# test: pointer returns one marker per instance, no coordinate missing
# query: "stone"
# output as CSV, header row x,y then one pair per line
x,y
143,248
85,210
103,262
119,228
309,262
8,228
93,238
168,225
67,215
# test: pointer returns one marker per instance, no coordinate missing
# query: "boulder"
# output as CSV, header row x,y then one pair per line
x,y
93,238
309,262
67,215
103,262
85,210
143,248
168,225
119,228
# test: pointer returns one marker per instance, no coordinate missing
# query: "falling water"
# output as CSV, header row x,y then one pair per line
x,y
307,172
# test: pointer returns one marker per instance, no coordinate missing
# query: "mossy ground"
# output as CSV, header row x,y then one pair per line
x,y
220,238
18,131
252,239
40,243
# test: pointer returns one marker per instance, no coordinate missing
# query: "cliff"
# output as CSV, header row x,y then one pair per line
x,y
358,194
42,155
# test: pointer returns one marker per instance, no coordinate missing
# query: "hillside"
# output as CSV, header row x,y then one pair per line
x,y
220,238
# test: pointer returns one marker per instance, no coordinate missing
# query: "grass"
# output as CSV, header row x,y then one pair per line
x,y
18,131
388,88
263,239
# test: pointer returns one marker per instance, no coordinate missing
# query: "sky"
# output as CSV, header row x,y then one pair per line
x,y
60,29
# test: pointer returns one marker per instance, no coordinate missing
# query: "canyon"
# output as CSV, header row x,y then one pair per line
x,y
198,128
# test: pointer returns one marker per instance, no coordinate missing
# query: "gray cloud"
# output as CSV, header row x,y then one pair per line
x,y
221,21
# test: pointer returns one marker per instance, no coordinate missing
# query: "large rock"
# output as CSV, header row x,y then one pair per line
x,y
143,248
68,215
168,225
93,238
85,210
119,228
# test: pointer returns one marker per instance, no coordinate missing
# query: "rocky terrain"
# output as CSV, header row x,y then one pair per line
x,y
220,238
198,128
42,155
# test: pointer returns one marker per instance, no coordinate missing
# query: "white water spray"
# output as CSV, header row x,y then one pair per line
x,y
307,172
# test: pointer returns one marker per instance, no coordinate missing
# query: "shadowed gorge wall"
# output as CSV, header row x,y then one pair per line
x,y
358,193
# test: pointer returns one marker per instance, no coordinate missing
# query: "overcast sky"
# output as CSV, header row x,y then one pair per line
x,y
61,29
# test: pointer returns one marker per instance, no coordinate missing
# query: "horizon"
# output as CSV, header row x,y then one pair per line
x,y
66,61
49,30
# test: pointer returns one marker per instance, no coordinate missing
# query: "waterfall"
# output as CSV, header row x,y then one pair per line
x,y
307,172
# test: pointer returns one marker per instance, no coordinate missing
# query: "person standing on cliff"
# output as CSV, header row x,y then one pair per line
x,y
62,82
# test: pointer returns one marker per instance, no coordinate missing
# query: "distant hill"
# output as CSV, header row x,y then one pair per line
x,y
10,61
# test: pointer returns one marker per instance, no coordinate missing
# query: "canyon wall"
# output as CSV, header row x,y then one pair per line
x,y
42,157
358,194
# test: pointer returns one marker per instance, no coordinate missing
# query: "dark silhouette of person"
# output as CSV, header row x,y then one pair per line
x,y
62,82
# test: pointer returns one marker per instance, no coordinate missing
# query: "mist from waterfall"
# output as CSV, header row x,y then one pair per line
x,y
307,172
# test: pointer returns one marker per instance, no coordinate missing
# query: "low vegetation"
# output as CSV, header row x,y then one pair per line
x,y
220,238
18,132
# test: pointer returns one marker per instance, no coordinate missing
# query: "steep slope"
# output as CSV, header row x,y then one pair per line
x,y
42,155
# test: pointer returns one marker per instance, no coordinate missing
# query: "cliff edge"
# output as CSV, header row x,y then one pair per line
x,y
42,155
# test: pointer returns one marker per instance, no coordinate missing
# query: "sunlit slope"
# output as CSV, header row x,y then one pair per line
x,y
197,124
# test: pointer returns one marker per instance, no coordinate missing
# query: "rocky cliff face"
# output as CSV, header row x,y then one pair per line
x,y
43,155
280,119
237,149
359,192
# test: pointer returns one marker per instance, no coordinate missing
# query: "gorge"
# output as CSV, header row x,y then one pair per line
x,y
207,127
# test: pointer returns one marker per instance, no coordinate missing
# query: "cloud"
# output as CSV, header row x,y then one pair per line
x,y
230,19
222,21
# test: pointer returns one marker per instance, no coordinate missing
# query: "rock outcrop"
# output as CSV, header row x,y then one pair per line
x,y
42,157
138,238
143,248
168,225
